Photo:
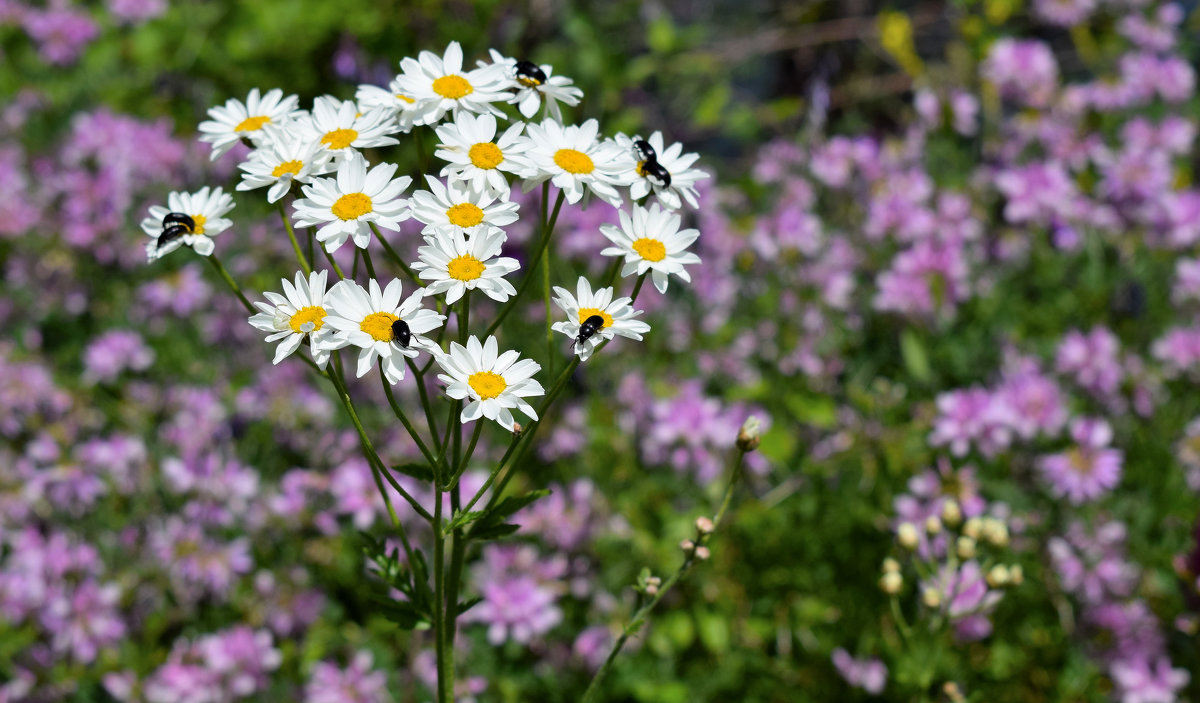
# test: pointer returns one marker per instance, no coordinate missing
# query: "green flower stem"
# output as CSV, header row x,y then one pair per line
x,y
549,316
639,617
425,404
637,288
366,256
223,273
444,686
537,258
287,224
412,432
466,457
454,580
396,258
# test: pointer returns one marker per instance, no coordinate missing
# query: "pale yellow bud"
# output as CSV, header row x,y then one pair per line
x,y
997,533
998,576
890,566
1016,575
932,597
906,535
965,547
891,583
973,528
933,525
951,513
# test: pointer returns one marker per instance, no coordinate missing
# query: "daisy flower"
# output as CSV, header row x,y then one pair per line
x,y
391,101
495,383
572,157
617,316
439,85
456,266
681,177
298,313
341,128
344,207
535,84
284,157
650,240
206,208
376,321
475,156
458,208
237,120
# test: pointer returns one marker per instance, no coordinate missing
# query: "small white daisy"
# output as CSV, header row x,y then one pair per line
x,y
496,383
341,128
392,102
650,240
458,208
298,313
681,177
284,157
345,207
616,316
535,84
456,265
237,120
440,85
205,207
476,157
572,158
380,324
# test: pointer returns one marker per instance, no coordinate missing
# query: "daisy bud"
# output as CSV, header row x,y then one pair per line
x,y
906,535
966,547
687,545
931,596
933,525
998,576
654,581
891,566
750,434
973,528
1016,575
951,513
704,526
996,532
702,553
891,583
953,693
651,589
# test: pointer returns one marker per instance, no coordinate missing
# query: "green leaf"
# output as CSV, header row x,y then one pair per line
x,y
460,520
503,529
512,504
465,605
915,358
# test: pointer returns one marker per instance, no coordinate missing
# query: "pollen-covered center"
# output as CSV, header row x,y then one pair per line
x,y
251,124
199,220
487,385
650,249
585,313
573,161
293,167
465,215
313,314
465,268
453,87
352,206
378,325
485,155
339,138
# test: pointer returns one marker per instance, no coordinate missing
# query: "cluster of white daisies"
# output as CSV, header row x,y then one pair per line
x,y
464,212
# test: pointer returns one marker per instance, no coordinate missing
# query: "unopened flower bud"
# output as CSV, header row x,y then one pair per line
x,y
953,693
750,435
1016,575
704,526
931,596
890,566
651,589
654,581
933,525
702,553
906,535
687,545
517,430
997,532
965,547
973,528
998,576
951,513
891,583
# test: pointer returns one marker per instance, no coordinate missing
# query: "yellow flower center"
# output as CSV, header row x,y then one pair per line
x,y
351,206
405,98
573,161
650,249
199,220
378,325
303,316
585,313
251,124
486,155
465,268
1079,462
339,138
487,385
465,215
453,87
292,167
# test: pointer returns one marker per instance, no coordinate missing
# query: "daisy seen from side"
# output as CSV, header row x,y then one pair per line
x,y
650,240
535,85
495,383
384,327
298,313
344,207
391,101
617,316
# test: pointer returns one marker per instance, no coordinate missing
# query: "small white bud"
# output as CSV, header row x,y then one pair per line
x,y
973,528
906,535
933,525
891,566
704,526
702,553
997,532
687,545
951,513
965,547
651,589
891,583
998,576
750,434
931,596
